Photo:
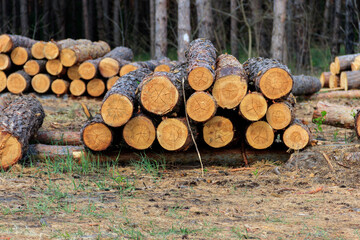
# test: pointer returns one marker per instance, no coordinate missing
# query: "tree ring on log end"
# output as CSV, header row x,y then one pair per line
x,y
278,116
139,133
6,43
68,57
159,95
87,70
51,51
31,67
16,83
19,56
260,135
97,137
296,137
116,110
229,91
111,81
54,67
253,107
200,79
10,150
162,68
4,61
40,83
77,87
276,83
218,132
59,86
2,81
126,69
95,87
344,81
172,134
37,50
200,106
109,67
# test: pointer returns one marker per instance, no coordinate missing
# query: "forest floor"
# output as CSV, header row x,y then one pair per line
x,y
150,199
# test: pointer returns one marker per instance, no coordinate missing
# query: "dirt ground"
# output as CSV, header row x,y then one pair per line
x,y
307,198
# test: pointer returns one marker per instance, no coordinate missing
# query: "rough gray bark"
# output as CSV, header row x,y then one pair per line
x,y
116,28
305,85
336,29
205,19
24,17
152,28
234,29
184,28
85,18
278,33
160,29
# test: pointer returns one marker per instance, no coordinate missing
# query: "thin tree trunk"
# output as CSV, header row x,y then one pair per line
x,y
116,22
160,29
4,25
13,17
278,33
85,18
59,8
204,19
105,5
91,19
257,12
135,31
184,28
46,20
24,17
152,28
100,20
349,26
324,30
234,28
336,29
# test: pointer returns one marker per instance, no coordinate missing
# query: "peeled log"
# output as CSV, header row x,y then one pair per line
x,y
350,80
41,82
305,85
334,81
343,63
73,72
174,135
260,135
324,79
95,87
119,102
37,50
279,115
139,132
112,61
60,86
54,67
19,121
33,67
5,62
3,79
52,49
81,52
297,136
270,77
218,132
95,135
230,85
253,107
201,106
58,138
18,82
77,87
201,57
336,115
8,42
151,65
20,55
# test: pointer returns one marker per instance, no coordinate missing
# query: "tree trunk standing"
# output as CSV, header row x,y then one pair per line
x,y
257,19
349,26
13,18
105,5
24,17
160,29
4,27
59,8
234,29
152,28
184,28
91,19
204,19
336,29
135,29
116,22
46,20
302,48
86,17
324,30
278,33
100,20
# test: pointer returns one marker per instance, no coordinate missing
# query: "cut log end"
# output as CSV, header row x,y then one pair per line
x,y
95,87
77,87
201,106
159,95
3,79
162,68
253,107
111,81
139,132
51,51
54,67
68,57
200,78
172,134
229,91
73,72
5,62
279,115
87,70
116,110
334,81
343,81
97,136
333,68
19,55
218,132
296,137
41,83
126,69
31,67
109,67
10,151
59,86
37,50
260,135
276,83
6,43
16,83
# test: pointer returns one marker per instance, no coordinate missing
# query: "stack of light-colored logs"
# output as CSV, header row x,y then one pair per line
x,y
226,102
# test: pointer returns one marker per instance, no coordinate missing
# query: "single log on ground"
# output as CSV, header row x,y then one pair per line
x,y
139,132
54,67
58,138
37,50
89,69
260,135
270,77
73,72
33,67
60,86
95,135
343,63
230,85
18,82
5,62
350,80
19,121
3,79
151,65
336,115
337,94
253,107
119,102
52,49
41,83
77,87
297,136
173,134
201,57
81,52
112,61
279,115
324,79
95,87
305,85
201,106
334,81
20,55
8,42
111,81
218,132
